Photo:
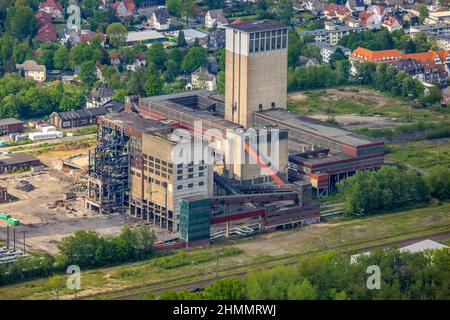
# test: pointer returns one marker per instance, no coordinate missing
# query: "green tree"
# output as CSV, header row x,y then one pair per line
x,y
286,11
117,34
156,55
88,73
61,58
174,7
195,58
421,42
439,182
21,22
181,40
154,84
302,291
423,12
226,289
188,9
172,70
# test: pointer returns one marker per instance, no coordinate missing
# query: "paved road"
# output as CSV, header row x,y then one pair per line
x,y
202,283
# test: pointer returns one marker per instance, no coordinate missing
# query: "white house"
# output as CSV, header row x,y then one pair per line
x,y
202,79
215,18
139,61
391,24
160,19
31,70
99,97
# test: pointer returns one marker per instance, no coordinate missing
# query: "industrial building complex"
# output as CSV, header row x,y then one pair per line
x,y
196,162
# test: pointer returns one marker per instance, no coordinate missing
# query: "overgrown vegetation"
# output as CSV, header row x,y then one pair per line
x,y
182,258
391,188
331,276
87,249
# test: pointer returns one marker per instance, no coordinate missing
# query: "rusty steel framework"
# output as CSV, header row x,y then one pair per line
x,y
109,166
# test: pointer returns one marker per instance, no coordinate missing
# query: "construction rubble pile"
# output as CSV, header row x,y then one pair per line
x,y
24,186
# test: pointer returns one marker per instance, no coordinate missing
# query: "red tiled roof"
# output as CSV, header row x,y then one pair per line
x,y
380,55
390,21
237,21
46,33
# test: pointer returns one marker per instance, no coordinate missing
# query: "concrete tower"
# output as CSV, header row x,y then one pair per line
x,y
256,69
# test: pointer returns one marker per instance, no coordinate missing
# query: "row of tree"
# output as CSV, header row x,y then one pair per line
x,y
86,249
331,276
391,188
383,39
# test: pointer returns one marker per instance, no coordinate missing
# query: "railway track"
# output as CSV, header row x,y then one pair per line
x,y
165,285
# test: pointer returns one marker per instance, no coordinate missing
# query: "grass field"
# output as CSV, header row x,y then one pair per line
x,y
338,233
359,101
425,154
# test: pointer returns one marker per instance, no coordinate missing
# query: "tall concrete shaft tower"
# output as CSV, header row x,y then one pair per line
x,y
256,69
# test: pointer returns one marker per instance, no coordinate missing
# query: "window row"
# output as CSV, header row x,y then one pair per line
x,y
268,44
190,185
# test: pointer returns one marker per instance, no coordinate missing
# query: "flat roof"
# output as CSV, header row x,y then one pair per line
x,y
317,127
16,158
136,122
169,101
144,35
192,34
255,26
9,121
440,13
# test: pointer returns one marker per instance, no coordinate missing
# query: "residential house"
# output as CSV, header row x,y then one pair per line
x,y
87,36
115,59
446,96
333,11
151,3
46,31
77,118
216,39
160,19
355,5
327,50
392,24
410,66
52,7
331,35
438,16
10,125
125,8
31,70
395,4
313,6
372,17
99,72
202,79
139,61
99,97
215,18
434,73
434,63
443,41
305,61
